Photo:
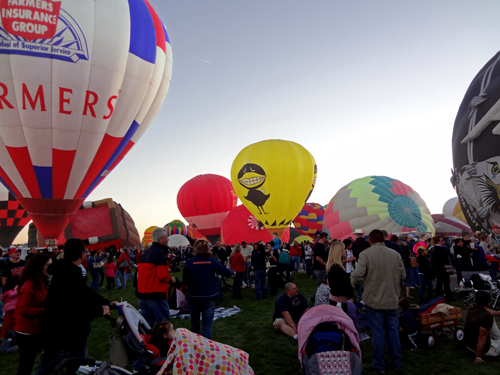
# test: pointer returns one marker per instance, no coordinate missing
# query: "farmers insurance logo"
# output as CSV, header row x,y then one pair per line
x,y
40,28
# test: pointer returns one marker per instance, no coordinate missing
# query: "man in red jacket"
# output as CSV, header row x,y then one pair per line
x,y
153,279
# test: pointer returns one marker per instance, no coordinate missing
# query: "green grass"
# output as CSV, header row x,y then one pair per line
x,y
273,353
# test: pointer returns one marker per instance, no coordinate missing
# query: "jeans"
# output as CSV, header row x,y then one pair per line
x,y
51,358
296,262
29,345
247,271
308,265
94,284
384,322
360,292
110,283
206,309
319,276
237,284
123,275
409,277
260,283
493,271
154,310
414,271
424,284
442,278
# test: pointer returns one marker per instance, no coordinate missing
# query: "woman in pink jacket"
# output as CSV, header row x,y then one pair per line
x,y
109,273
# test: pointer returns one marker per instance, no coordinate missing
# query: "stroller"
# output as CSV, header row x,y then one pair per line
x,y
132,341
328,342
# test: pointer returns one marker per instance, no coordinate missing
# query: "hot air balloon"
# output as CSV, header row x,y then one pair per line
x,y
146,239
476,156
100,224
309,221
176,227
376,202
194,234
78,88
13,217
273,178
205,201
240,225
449,206
449,225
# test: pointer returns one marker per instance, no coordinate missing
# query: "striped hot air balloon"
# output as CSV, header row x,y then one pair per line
x,y
176,227
309,221
79,86
377,202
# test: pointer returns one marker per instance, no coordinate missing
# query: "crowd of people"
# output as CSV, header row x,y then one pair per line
x,y
44,294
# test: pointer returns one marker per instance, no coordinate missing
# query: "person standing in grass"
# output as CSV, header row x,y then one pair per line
x,y
238,264
33,287
259,269
109,273
381,270
153,279
200,286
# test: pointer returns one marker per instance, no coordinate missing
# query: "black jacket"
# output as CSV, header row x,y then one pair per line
x,y
359,245
69,308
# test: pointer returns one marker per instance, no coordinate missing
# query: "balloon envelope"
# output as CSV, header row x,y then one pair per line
x,y
205,201
302,239
449,206
476,151
13,217
449,225
273,179
376,202
309,221
78,90
176,227
177,240
146,239
240,225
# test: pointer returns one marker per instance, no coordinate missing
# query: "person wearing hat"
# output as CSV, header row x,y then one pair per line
x,y
13,267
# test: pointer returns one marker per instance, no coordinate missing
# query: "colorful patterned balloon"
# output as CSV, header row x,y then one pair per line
x,y
176,227
376,202
146,240
309,221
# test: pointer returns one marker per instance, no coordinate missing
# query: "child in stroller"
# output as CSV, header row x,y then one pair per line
x,y
328,342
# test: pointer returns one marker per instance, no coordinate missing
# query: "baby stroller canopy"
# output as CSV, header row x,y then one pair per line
x,y
326,313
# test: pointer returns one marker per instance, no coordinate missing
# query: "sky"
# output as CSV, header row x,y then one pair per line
x,y
368,87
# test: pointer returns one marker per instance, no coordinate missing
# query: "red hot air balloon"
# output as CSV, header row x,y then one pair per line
x,y
241,225
13,217
205,201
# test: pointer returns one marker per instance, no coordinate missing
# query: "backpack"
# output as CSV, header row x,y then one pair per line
x,y
284,258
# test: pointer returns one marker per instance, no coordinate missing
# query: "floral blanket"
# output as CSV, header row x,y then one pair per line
x,y
194,354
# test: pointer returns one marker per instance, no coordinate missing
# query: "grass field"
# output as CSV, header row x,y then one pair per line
x,y
273,353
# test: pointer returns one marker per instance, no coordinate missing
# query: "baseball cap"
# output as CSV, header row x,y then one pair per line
x,y
495,227
13,250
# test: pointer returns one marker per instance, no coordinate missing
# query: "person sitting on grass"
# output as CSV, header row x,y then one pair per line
x,y
288,310
482,335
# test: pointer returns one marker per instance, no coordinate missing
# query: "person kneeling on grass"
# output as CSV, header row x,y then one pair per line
x,y
288,310
482,335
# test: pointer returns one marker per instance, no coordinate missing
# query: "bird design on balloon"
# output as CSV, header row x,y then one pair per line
x,y
253,177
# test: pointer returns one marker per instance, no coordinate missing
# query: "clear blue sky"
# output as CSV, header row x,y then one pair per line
x,y
368,87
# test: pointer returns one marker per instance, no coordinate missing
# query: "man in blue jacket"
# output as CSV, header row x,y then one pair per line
x,y
200,287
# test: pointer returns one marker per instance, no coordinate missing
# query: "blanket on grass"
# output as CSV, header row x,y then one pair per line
x,y
192,354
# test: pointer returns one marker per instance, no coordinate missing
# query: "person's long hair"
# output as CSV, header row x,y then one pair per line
x,y
335,255
33,270
237,249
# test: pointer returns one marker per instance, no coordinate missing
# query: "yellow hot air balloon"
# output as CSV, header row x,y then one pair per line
x,y
273,179
146,240
457,212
